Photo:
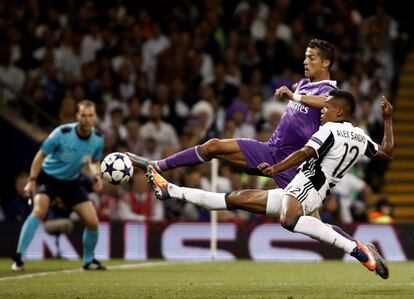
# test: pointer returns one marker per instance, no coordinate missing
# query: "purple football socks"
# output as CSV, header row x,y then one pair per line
x,y
188,157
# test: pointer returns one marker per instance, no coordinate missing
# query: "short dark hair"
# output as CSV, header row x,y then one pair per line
x,y
346,97
382,202
326,49
87,103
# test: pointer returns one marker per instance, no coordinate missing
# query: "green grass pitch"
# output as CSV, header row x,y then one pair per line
x,y
242,279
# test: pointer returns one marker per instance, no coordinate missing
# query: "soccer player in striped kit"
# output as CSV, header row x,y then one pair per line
x,y
300,120
325,158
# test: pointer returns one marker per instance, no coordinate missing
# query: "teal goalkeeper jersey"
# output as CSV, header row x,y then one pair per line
x,y
66,152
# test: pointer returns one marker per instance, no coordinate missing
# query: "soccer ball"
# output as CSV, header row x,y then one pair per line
x,y
116,168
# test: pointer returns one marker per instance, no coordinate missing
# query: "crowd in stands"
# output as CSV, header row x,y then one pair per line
x,y
168,75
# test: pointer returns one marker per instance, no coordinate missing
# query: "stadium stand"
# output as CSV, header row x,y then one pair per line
x,y
118,54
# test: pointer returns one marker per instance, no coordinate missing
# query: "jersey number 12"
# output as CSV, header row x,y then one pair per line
x,y
348,151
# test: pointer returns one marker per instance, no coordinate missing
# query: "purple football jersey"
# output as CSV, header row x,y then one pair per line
x,y
299,121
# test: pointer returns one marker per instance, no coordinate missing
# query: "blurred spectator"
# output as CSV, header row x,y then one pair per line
x,y
150,148
155,45
250,62
255,115
107,87
124,59
359,211
134,142
115,124
19,208
142,87
134,109
78,92
179,104
175,61
274,54
90,81
383,213
160,131
67,110
140,203
48,44
53,88
125,86
380,23
257,86
202,121
237,113
68,55
232,67
330,210
11,77
272,113
194,180
225,89
203,62
352,193
91,43
181,210
108,200
162,97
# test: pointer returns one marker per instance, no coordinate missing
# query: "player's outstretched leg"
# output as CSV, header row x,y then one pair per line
x,y
292,218
138,161
189,157
264,202
165,190
158,183
382,267
317,230
365,256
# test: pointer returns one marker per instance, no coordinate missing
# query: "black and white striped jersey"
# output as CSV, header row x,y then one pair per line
x,y
339,145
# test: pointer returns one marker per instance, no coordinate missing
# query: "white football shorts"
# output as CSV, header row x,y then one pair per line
x,y
302,189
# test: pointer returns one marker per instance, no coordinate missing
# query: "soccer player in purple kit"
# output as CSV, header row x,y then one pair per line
x,y
330,152
300,120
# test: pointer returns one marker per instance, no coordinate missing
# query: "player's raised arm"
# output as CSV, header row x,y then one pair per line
x,y
311,100
290,161
386,149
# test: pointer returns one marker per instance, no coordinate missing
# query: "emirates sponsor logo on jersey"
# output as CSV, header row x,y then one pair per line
x,y
298,107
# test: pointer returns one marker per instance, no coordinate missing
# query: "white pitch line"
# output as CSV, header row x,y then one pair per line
x,y
115,267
